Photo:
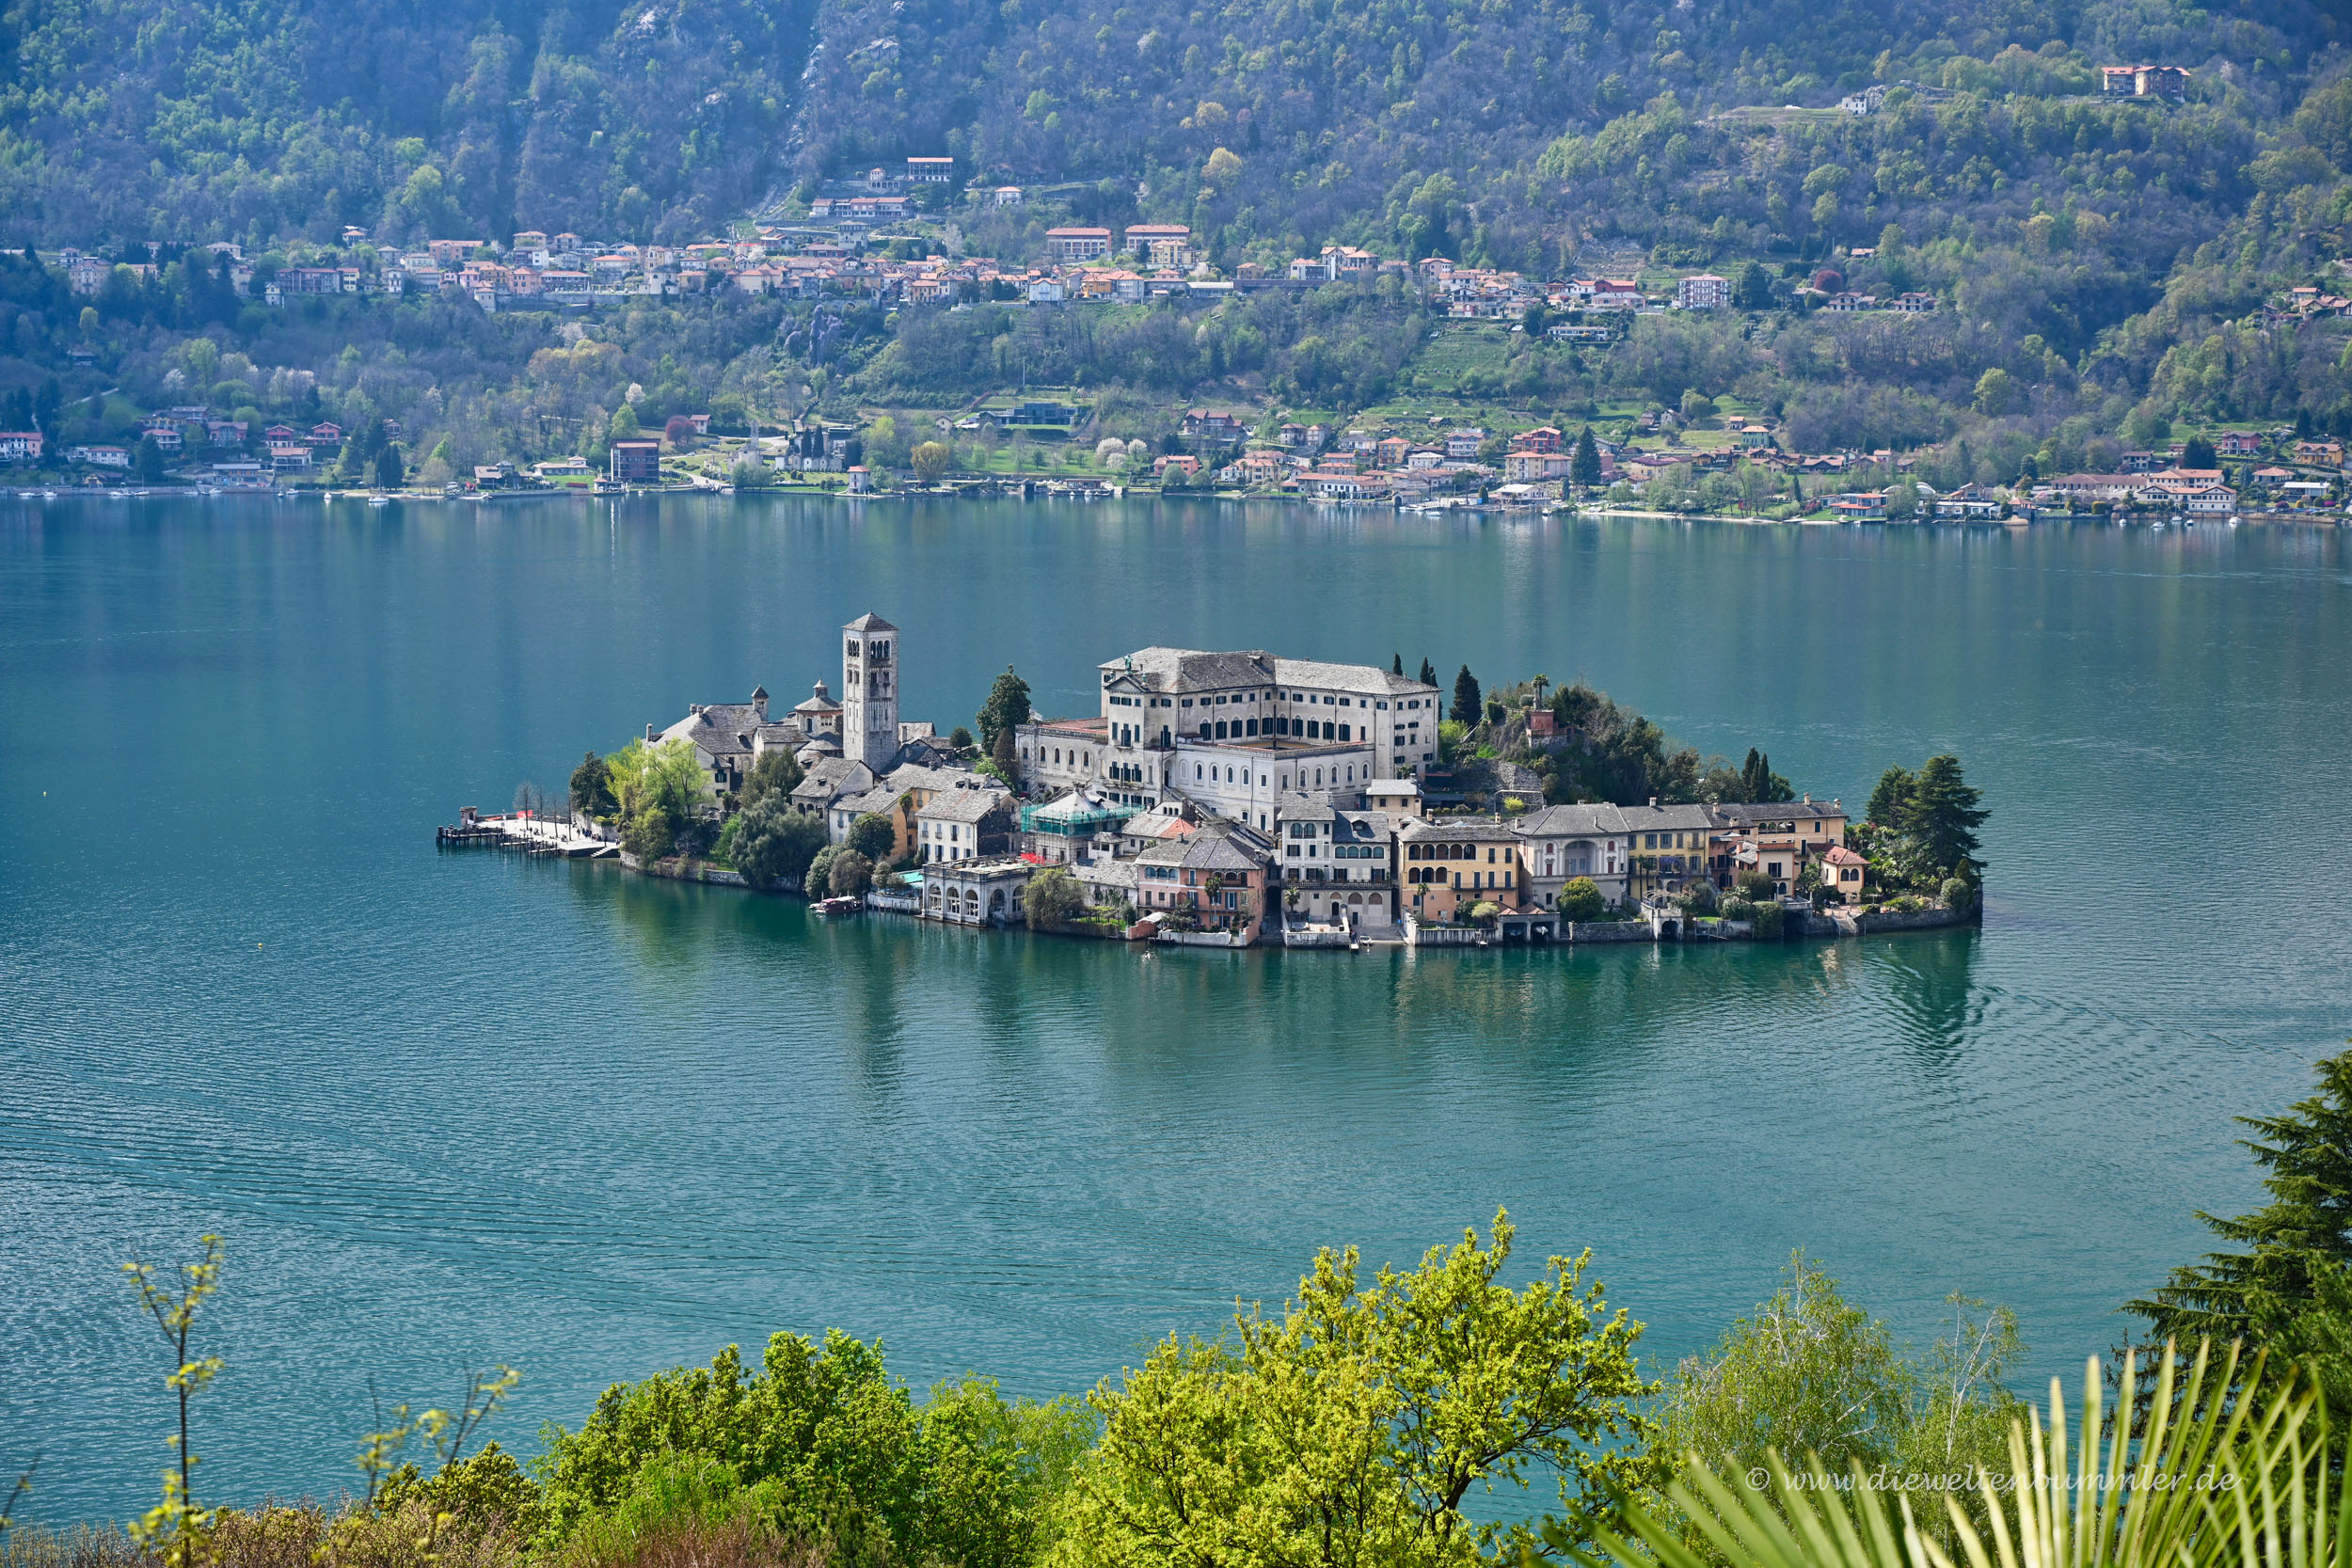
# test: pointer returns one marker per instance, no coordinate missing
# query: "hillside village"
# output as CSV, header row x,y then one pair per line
x,y
1230,798
872,243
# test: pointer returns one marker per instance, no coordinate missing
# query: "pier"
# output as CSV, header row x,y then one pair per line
x,y
534,835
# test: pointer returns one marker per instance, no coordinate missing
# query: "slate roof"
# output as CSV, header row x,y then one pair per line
x,y
1777,811
1572,821
830,778
1659,819
870,622
1468,830
1348,677
1185,670
962,805
818,700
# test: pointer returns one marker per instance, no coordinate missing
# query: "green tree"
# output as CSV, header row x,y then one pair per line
x,y
1890,798
960,739
2197,453
1752,288
623,426
592,786
1580,899
1585,466
776,771
1997,392
1428,672
388,475
1396,665
177,1525
850,873
830,1446
1943,814
873,835
1808,1373
2286,1258
774,842
1006,709
931,460
1052,897
147,461
1351,1428
1468,704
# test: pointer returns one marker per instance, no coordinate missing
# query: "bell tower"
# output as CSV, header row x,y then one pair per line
x,y
869,691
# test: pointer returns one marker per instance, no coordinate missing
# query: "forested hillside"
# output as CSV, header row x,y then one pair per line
x,y
262,120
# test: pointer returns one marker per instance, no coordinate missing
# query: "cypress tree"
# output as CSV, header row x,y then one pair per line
x,y
1428,672
1752,776
1397,664
1584,467
1468,704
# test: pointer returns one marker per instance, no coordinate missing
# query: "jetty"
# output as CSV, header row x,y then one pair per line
x,y
526,832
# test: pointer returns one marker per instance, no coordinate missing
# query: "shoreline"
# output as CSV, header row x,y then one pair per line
x,y
1482,511
1654,928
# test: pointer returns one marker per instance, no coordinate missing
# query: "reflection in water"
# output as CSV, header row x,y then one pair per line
x,y
1927,979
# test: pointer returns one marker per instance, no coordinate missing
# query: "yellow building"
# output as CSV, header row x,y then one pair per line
x,y
1448,866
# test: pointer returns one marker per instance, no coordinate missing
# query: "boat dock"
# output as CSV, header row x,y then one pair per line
x,y
534,835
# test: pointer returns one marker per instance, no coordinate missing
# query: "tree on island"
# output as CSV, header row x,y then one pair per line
x,y
1582,900
592,787
1889,799
777,772
1941,818
873,835
1006,711
1397,664
960,739
1052,897
1468,706
1759,784
774,842
850,873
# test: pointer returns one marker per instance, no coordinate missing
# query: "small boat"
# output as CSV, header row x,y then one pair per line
x,y
379,500
838,906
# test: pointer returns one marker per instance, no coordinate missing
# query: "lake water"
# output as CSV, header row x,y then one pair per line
x,y
452,1109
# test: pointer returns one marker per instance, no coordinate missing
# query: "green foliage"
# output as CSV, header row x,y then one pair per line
x,y
1941,817
1052,897
1352,1427
1469,709
1753,885
2213,1480
176,1528
1006,709
776,771
931,460
2285,1261
1698,897
820,1442
1769,920
592,787
873,835
960,739
774,842
1811,1374
819,876
850,873
1890,798
1580,899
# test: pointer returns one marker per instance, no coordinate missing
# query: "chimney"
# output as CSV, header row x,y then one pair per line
x,y
1808,799
1653,802
649,732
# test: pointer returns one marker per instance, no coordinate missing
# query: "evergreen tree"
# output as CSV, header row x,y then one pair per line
x,y
1397,664
1006,708
1942,816
1888,800
1468,704
2197,453
2291,1246
1753,774
592,786
147,461
1428,672
388,475
1584,467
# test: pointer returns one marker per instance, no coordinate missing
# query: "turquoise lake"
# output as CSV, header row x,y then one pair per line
x,y
452,1109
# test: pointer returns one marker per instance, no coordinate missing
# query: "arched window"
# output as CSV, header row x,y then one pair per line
x,y
1220,729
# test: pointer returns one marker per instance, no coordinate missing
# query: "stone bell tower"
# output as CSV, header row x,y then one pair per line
x,y
869,691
